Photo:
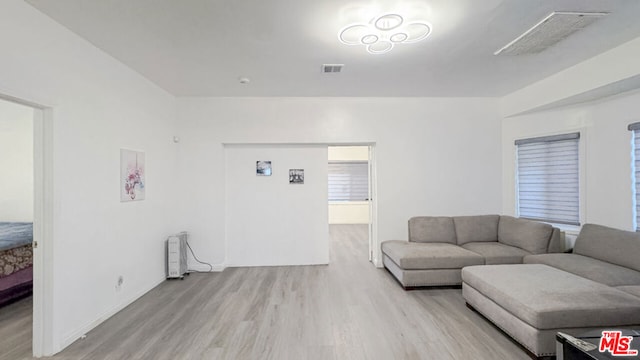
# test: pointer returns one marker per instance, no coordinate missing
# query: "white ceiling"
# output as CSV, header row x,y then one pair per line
x,y
202,47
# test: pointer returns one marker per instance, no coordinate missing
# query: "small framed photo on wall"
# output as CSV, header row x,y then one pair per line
x,y
263,168
296,176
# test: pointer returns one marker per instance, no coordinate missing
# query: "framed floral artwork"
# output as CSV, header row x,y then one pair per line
x,y
132,175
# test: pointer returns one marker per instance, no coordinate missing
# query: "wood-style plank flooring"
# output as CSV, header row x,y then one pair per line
x,y
346,310
15,330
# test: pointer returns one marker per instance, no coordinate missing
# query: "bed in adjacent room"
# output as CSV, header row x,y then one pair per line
x,y
16,261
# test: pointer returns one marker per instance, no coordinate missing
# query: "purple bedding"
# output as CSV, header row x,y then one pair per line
x,y
16,286
16,261
16,278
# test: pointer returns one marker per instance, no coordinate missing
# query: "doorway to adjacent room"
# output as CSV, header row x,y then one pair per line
x,y
351,187
25,215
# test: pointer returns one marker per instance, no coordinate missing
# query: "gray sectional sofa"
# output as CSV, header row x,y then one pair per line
x,y
439,247
596,287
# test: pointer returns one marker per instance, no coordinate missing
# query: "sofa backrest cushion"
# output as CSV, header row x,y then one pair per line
x,y
528,235
480,228
614,246
556,243
432,229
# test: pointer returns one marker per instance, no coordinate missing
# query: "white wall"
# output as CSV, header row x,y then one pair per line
x,y
16,162
272,222
607,192
349,212
97,107
435,156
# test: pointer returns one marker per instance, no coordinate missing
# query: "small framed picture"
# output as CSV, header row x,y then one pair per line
x,y
263,168
296,176
132,175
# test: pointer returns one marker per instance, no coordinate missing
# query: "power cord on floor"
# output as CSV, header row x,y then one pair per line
x,y
198,260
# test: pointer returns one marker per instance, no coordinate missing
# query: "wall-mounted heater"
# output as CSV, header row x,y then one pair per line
x,y
177,255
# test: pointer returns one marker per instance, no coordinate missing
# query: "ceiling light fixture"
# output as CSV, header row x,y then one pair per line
x,y
382,33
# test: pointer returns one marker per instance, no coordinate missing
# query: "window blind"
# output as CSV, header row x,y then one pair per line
x,y
348,181
548,178
635,169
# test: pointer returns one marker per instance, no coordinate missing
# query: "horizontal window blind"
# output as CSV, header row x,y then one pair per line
x,y
635,165
348,181
548,178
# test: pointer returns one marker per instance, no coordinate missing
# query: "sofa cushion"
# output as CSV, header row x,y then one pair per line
x,y
422,277
528,235
631,289
549,298
413,256
496,253
476,228
590,268
608,244
432,229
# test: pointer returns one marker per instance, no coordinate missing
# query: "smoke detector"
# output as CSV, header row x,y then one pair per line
x,y
554,28
332,68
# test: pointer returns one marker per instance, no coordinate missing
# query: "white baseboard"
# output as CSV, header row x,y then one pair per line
x,y
75,335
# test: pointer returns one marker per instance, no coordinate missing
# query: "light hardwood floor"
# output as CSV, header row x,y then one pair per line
x,y
346,310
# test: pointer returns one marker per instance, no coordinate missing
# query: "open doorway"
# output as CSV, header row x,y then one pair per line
x,y
25,197
17,215
350,185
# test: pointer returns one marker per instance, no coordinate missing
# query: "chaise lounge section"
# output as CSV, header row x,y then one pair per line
x,y
595,287
439,247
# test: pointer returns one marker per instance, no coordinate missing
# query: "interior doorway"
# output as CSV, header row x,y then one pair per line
x,y
351,183
17,201
26,133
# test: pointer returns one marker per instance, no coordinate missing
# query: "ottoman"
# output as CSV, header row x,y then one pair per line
x,y
532,302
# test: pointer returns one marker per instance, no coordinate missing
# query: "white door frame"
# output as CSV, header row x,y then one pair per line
x,y
43,344
374,246
42,226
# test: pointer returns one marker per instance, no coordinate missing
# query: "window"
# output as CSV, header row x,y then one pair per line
x,y
548,178
635,168
348,181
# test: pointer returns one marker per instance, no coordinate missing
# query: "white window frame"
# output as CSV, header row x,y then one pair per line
x,y
635,181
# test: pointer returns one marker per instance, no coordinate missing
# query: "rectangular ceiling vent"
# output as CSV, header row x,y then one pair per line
x,y
332,68
548,32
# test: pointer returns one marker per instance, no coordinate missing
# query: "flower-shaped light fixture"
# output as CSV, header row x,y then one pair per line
x,y
382,33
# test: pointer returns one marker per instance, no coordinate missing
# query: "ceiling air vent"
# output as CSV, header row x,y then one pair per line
x,y
332,68
551,30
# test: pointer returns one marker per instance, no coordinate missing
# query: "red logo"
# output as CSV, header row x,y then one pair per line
x,y
616,344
